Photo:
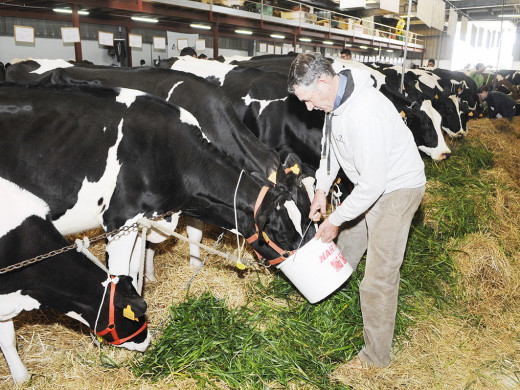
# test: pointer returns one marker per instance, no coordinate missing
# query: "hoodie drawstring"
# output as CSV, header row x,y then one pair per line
x,y
325,152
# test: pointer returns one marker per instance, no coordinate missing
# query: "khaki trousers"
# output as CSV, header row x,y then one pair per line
x,y
383,233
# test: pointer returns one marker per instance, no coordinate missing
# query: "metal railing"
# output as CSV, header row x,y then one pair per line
x,y
308,16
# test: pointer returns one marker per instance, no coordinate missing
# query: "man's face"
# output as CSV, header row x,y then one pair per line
x,y
430,63
317,96
345,57
483,95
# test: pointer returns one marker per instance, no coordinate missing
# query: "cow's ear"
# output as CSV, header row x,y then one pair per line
x,y
127,299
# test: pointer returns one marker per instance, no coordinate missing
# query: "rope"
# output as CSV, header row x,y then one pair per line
x,y
82,247
239,264
140,275
226,255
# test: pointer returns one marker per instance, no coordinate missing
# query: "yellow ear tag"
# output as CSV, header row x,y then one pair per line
x,y
100,339
272,177
265,237
436,96
296,169
481,115
470,113
403,115
128,313
338,180
240,265
459,90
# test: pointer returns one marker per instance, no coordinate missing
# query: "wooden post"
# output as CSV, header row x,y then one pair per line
x,y
77,45
215,39
129,49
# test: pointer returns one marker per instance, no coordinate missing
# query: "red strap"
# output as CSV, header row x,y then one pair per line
x,y
260,199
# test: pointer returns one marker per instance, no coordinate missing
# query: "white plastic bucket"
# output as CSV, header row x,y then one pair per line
x,y
316,269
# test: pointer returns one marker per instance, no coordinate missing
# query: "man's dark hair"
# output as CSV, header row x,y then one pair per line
x,y
306,69
143,62
432,61
203,56
188,51
483,88
346,51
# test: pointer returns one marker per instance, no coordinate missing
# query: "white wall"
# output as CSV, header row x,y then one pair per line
x,y
42,48
53,48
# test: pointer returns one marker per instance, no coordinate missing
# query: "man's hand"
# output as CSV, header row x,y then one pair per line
x,y
327,231
318,206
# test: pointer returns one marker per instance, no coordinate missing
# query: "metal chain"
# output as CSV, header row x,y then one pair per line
x,y
55,252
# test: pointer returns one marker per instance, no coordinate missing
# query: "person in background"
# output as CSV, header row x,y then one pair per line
x,y
346,54
203,56
431,63
377,152
142,62
499,104
477,75
188,51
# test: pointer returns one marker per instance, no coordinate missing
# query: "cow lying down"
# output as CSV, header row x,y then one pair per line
x,y
68,282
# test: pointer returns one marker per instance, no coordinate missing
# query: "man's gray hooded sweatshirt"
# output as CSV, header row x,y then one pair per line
x,y
367,138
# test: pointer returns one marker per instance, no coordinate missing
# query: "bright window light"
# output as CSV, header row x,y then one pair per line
x,y
305,39
278,36
146,20
244,32
201,26
69,11
328,42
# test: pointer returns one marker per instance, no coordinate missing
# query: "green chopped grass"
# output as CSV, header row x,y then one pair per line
x,y
279,338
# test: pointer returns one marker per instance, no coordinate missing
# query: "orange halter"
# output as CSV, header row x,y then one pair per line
x,y
283,254
111,327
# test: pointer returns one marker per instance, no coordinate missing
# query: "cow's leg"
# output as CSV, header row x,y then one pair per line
x,y
148,265
194,229
8,346
155,237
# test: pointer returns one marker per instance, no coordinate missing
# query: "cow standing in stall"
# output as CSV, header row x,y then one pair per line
x,y
96,158
68,282
209,105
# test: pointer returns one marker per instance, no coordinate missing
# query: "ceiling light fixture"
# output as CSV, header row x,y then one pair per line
x,y
305,39
201,26
244,32
69,11
363,47
328,42
390,50
146,20
277,36
509,16
348,45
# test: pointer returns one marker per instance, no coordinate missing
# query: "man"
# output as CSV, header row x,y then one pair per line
x,y
431,63
188,51
477,75
346,54
365,136
499,104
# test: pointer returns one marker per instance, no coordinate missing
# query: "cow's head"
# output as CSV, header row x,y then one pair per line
x,y
121,319
280,225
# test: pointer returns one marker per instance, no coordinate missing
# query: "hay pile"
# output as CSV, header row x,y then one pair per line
x,y
474,344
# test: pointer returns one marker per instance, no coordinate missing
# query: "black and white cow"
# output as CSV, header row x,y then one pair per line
x,y
421,85
420,117
210,106
108,157
68,282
